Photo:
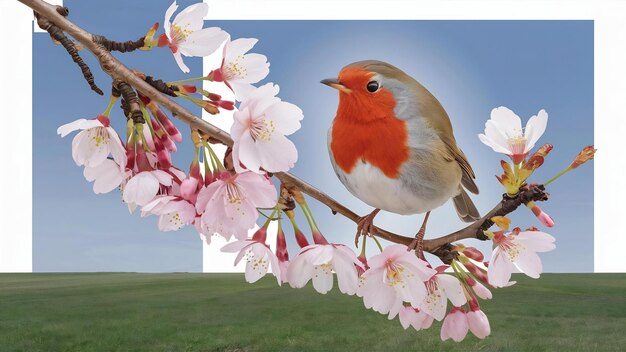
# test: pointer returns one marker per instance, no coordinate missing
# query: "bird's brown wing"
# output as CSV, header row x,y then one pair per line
x,y
468,173
436,117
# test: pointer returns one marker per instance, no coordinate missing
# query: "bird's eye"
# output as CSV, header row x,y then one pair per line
x,y
372,86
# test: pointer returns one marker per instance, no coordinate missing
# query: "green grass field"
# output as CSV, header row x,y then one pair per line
x,y
220,312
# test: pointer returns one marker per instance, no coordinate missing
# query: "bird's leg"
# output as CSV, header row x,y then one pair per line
x,y
365,226
418,241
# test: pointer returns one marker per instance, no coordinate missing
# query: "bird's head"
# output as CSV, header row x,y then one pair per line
x,y
369,90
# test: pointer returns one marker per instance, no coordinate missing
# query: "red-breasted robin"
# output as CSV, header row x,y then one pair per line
x,y
392,146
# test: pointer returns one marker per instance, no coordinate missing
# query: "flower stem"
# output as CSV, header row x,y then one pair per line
x,y
318,238
269,218
112,101
148,120
558,175
363,246
201,78
196,101
215,160
377,243
305,207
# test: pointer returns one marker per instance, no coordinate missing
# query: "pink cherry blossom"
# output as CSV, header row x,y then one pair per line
x,y
105,176
95,141
185,35
318,261
478,322
455,325
440,288
240,70
258,256
414,317
394,276
173,212
519,249
259,129
144,186
504,134
229,204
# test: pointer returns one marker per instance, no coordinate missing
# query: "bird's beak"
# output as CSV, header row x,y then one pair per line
x,y
334,83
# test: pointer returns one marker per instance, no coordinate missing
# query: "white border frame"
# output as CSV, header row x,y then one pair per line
x,y
610,90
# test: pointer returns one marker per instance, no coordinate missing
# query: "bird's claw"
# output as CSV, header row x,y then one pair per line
x,y
364,226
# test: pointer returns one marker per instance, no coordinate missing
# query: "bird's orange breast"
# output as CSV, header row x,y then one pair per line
x,y
380,142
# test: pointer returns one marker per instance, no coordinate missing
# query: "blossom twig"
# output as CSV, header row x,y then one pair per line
x,y
118,72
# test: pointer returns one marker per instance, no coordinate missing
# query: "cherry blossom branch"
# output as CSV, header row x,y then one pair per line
x,y
128,78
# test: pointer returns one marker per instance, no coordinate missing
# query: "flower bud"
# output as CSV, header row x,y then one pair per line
x,y
473,253
187,88
545,219
455,325
585,155
478,322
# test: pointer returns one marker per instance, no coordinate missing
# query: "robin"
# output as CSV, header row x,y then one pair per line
x,y
391,144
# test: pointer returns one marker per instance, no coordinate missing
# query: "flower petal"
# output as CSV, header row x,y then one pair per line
x,y
179,60
494,138
299,272
192,17
118,152
261,98
536,240
478,324
322,278
242,90
238,47
452,288
141,189
163,177
347,276
236,246
278,154
529,263
80,124
248,153
168,15
500,267
286,117
203,42
107,176
506,121
258,190
535,127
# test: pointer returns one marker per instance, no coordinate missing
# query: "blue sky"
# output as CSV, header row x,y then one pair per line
x,y
470,66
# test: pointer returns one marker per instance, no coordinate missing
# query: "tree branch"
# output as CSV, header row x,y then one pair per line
x,y
119,72
57,34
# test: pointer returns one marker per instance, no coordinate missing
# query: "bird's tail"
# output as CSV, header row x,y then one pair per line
x,y
465,208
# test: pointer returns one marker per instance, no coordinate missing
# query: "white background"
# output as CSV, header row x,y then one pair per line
x,y
610,99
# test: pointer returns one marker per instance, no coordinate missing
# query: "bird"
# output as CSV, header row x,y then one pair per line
x,y
392,145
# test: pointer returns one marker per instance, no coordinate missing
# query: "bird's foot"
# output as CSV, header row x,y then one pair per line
x,y
418,242
365,226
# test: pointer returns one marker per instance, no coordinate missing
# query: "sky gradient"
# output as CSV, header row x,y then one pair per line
x,y
470,66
